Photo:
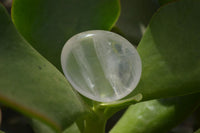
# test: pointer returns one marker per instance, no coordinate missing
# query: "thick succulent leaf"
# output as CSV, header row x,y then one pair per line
x,y
135,15
156,116
42,128
72,129
170,52
48,24
30,84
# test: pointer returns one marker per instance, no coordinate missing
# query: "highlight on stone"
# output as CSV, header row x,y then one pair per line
x,y
101,65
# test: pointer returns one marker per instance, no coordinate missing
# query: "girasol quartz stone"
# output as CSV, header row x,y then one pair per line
x,y
101,65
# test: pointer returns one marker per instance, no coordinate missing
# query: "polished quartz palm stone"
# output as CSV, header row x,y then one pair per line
x,y
101,65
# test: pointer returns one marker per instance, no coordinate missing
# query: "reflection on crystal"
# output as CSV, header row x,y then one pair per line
x,y
101,65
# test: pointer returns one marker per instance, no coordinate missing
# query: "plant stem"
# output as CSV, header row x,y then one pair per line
x,y
95,125
113,107
95,122
121,103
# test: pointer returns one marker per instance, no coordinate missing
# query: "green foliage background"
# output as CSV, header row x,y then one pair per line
x,y
167,37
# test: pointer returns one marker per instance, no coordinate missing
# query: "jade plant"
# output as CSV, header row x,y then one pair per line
x,y
167,37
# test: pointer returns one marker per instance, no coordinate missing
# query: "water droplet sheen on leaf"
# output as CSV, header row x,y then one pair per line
x,y
101,65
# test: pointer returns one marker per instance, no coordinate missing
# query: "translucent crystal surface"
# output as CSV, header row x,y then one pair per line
x,y
101,65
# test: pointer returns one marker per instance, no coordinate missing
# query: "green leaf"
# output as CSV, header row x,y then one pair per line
x,y
48,24
169,52
42,128
156,116
198,131
135,15
1,131
72,129
30,84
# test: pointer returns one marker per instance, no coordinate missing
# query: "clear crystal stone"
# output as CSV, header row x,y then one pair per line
x,y
101,65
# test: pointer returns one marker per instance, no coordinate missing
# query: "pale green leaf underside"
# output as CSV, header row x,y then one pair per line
x,y
42,128
156,116
30,84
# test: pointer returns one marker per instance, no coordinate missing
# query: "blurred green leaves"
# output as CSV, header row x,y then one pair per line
x,y
134,18
169,51
0,117
163,2
198,131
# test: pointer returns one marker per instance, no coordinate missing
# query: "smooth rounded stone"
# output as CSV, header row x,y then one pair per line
x,y
101,65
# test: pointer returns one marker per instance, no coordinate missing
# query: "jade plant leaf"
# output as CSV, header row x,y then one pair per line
x,y
32,85
169,51
40,127
134,18
48,24
72,129
156,116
